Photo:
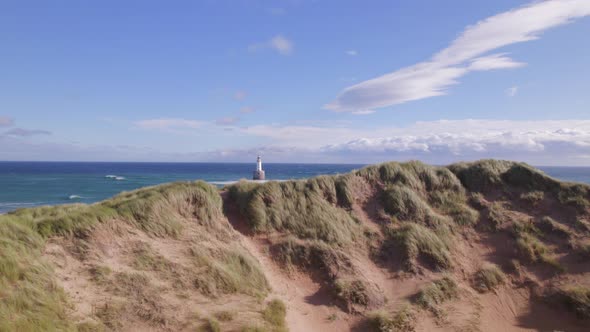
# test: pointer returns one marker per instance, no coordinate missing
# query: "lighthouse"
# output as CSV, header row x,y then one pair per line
x,y
259,172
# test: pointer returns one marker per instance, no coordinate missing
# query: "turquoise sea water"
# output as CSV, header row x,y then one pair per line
x,y
27,184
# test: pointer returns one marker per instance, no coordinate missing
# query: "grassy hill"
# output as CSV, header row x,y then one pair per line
x,y
487,245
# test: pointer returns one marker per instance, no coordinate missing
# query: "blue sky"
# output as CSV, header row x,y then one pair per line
x,y
295,80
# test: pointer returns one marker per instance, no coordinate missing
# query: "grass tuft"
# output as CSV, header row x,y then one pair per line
x,y
575,298
549,226
438,292
211,325
533,197
488,278
225,316
227,271
419,242
275,313
403,320
305,208
352,291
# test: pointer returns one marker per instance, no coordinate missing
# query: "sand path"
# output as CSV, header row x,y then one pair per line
x,y
308,306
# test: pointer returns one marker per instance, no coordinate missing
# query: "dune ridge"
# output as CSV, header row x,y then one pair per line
x,y
487,245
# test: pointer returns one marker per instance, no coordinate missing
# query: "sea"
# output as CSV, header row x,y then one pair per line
x,y
28,184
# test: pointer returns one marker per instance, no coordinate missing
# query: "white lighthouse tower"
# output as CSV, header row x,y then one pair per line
x,y
259,172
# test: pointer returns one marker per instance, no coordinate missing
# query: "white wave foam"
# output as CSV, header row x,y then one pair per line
x,y
20,204
110,176
74,197
119,178
225,183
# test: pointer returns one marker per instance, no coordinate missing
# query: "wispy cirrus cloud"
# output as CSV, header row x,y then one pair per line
x,y
465,54
168,124
278,43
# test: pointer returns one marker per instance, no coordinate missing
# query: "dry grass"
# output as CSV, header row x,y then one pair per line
x,y
430,204
227,270
438,292
306,208
274,314
533,197
147,259
575,298
582,248
419,242
550,226
29,295
352,291
488,277
403,320
211,325
30,300
225,315
310,255
407,205
110,313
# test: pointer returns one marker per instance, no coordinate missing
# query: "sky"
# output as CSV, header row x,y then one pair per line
x,y
330,81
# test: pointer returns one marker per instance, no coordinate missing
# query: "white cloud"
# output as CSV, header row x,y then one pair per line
x,y
168,124
558,142
6,121
351,52
434,77
226,121
363,112
278,43
542,142
494,61
512,91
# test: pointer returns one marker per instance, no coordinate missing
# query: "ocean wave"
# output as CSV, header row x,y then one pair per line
x,y
225,183
72,197
115,177
20,204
